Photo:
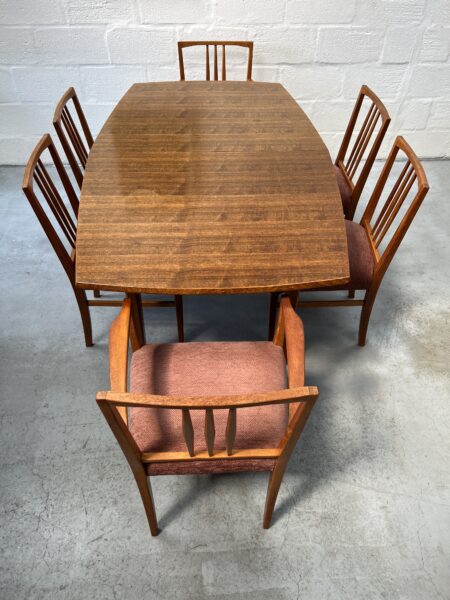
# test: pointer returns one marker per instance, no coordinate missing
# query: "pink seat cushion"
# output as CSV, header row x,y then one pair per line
x,y
360,258
344,189
208,369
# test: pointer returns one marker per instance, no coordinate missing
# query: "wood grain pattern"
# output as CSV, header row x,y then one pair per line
x,y
209,188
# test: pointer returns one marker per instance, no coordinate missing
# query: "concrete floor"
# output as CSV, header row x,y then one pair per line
x,y
364,510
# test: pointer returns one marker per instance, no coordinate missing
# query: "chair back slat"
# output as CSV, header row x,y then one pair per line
x,y
210,431
216,69
248,45
393,204
74,136
230,432
208,75
411,173
75,147
37,173
365,139
55,202
188,430
224,66
350,156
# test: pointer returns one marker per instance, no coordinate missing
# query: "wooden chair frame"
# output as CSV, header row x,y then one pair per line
x,y
114,404
248,45
376,112
69,135
37,173
376,232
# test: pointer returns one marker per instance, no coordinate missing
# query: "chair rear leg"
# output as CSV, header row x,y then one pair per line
x,y
180,317
366,311
143,483
85,316
272,314
97,294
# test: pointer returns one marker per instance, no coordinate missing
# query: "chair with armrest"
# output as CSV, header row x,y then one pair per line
x,y
208,407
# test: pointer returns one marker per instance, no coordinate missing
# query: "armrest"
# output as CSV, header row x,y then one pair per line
x,y
118,348
297,394
295,343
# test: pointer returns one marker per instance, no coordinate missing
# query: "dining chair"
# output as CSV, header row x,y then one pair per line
x,y
58,218
351,173
208,407
373,242
248,45
76,145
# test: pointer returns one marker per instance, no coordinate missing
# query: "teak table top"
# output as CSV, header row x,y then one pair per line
x,y
209,187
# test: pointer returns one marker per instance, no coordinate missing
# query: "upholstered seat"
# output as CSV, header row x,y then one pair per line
x,y
360,257
344,189
208,369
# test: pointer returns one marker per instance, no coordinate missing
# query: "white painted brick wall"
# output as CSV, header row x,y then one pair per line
x,y
320,50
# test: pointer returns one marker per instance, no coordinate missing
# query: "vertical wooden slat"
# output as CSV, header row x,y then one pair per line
x,y
230,433
250,61
364,145
353,163
208,75
394,209
210,431
224,68
358,139
390,198
216,68
188,431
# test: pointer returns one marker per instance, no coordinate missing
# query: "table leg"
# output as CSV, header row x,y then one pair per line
x,y
137,322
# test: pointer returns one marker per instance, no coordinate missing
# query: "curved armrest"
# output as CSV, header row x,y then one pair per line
x,y
299,394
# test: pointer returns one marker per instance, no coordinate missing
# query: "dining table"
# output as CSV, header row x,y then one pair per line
x,y
209,187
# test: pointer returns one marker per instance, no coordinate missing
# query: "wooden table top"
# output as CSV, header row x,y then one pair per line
x,y
209,187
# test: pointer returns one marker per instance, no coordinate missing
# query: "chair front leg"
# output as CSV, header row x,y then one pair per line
x,y
145,489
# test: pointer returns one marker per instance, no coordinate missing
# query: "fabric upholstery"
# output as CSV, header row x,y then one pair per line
x,y
360,258
205,369
344,189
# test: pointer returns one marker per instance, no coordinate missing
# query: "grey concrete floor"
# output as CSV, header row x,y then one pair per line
x,y
364,510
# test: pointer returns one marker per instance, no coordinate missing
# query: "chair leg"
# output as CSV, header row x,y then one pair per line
x,y
85,315
97,294
273,488
145,489
180,318
351,293
272,314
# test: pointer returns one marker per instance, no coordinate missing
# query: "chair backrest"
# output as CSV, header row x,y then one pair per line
x,y
75,146
58,221
248,45
114,403
368,140
387,224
